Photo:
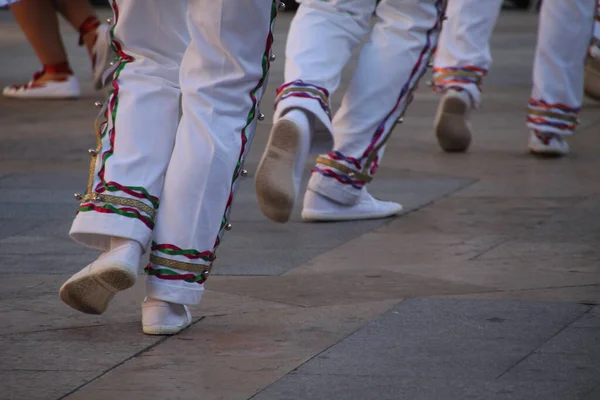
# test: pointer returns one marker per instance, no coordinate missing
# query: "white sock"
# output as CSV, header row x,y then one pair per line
x,y
149,299
116,242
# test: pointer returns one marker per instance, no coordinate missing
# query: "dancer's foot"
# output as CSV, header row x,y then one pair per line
x,y
320,208
163,318
452,126
46,85
279,173
91,289
548,144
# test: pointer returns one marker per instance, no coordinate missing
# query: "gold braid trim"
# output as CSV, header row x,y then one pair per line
x,y
348,171
452,74
122,201
94,155
189,267
550,114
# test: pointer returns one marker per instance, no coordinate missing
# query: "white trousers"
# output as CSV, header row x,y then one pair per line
x,y
394,58
214,56
597,25
565,28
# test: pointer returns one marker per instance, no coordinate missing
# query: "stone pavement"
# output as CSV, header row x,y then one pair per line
x,y
486,288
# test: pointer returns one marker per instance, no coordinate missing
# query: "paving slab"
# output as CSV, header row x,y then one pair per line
x,y
582,294
19,385
369,387
235,355
434,344
574,340
593,394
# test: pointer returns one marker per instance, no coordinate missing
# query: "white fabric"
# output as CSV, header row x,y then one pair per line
x,y
465,37
564,33
390,65
5,3
597,24
214,56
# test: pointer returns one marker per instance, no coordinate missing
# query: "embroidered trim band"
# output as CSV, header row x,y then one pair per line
x,y
189,267
348,171
122,201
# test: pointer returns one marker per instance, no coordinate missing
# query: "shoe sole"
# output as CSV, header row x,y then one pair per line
x,y
452,132
92,293
314,216
43,97
547,153
163,330
274,181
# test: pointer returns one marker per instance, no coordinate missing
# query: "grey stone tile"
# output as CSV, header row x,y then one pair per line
x,y
594,394
390,387
590,319
446,338
542,251
38,384
583,294
287,246
39,196
574,341
37,212
48,263
171,394
30,244
581,369
234,356
320,289
45,183
93,349
10,227
425,349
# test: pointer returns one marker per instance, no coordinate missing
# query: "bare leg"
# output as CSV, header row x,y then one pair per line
x,y
39,23
77,12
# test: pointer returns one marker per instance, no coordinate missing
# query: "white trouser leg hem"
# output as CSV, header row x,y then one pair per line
x,y
178,292
95,230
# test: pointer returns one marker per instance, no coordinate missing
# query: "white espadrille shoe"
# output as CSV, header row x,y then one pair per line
x,y
163,318
279,173
91,289
320,208
67,88
452,125
548,144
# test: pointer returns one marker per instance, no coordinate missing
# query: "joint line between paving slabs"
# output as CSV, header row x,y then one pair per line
x,y
545,341
139,353
321,352
492,247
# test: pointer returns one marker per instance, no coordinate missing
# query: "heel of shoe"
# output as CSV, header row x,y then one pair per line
x,y
91,293
452,126
274,180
